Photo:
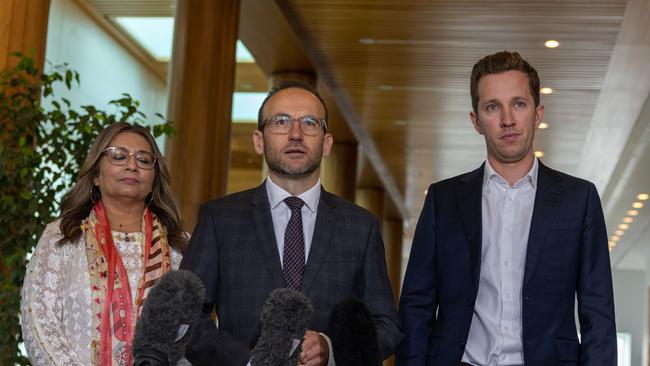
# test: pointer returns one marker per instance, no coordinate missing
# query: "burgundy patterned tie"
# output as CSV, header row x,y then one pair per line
x,y
293,259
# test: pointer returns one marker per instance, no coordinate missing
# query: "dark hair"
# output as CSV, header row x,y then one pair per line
x,y
498,63
288,85
77,203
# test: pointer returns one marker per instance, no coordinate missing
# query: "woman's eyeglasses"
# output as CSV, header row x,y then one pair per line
x,y
120,156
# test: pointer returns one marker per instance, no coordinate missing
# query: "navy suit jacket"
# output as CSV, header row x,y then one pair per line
x,y
567,257
234,252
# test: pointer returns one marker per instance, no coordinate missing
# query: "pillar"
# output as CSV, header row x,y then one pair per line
x,y
201,91
23,28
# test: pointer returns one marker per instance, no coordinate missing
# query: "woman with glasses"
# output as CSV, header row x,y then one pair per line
x,y
118,233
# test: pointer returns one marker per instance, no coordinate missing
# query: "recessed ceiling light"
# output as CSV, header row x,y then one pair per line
x,y
623,226
633,212
615,238
619,232
543,126
551,43
628,220
637,205
643,196
539,153
546,90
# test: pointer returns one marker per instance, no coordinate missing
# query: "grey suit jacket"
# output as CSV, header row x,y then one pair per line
x,y
233,250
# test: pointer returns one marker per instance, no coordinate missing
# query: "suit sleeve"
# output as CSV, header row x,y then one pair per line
x,y
378,295
595,294
209,346
419,298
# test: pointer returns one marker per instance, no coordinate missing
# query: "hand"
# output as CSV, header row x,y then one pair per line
x,y
314,350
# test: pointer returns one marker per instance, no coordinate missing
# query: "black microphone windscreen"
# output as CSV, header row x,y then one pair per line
x,y
284,320
353,334
171,308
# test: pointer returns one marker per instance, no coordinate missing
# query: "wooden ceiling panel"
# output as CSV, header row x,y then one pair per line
x,y
135,8
405,67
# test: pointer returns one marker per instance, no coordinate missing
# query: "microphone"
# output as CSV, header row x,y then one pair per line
x,y
163,331
284,319
353,334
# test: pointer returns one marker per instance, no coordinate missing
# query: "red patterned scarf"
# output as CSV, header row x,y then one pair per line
x,y
112,304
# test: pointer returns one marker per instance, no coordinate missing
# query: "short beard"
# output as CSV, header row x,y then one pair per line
x,y
275,163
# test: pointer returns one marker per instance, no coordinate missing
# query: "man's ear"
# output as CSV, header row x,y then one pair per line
x,y
328,140
473,116
258,142
539,115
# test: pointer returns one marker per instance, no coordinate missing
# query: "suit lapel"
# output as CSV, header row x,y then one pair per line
x,y
262,223
320,242
469,203
547,200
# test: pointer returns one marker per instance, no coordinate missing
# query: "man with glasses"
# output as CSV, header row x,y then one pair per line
x,y
288,232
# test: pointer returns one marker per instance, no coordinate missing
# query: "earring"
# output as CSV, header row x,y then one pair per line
x,y
98,194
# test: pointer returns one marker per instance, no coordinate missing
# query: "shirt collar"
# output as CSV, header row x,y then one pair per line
x,y
530,177
277,195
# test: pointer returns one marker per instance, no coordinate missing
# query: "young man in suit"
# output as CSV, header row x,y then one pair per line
x,y
501,253
288,232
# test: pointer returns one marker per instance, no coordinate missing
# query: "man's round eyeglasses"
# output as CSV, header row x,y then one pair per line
x,y
281,124
120,156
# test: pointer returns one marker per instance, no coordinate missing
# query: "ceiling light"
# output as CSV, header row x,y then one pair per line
x,y
623,226
643,196
628,220
633,212
551,43
539,153
543,126
615,238
546,90
619,232
637,205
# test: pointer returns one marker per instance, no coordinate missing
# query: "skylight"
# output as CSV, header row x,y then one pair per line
x,y
156,35
245,106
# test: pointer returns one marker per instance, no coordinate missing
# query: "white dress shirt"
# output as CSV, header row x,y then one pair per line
x,y
281,213
495,333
